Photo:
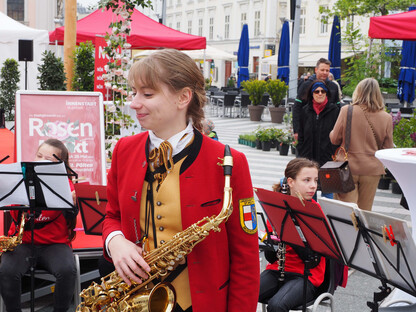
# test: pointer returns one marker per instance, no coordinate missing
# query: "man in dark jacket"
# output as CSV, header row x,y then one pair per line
x,y
321,73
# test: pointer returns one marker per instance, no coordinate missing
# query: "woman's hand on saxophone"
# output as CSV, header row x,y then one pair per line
x,y
128,260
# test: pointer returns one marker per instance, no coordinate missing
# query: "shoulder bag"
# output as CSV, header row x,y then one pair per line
x,y
335,176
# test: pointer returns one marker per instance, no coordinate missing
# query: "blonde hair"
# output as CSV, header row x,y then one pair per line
x,y
368,93
177,71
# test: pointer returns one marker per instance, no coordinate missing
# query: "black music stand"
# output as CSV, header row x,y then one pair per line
x,y
92,200
35,186
378,245
299,223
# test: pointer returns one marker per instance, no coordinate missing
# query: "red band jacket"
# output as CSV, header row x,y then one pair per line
x,y
224,268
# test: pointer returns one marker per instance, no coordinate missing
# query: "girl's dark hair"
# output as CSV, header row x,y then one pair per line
x,y
63,151
71,220
294,167
308,97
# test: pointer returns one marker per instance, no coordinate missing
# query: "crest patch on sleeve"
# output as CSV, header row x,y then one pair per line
x,y
248,215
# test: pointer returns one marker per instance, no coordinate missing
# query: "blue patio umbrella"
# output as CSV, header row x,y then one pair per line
x,y
283,56
243,56
407,75
334,53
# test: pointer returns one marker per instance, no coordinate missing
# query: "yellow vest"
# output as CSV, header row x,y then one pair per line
x,y
168,222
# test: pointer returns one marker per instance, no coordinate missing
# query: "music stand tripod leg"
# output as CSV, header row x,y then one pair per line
x,y
306,274
379,296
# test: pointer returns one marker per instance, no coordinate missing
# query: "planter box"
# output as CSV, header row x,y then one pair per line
x,y
255,112
277,113
265,146
284,149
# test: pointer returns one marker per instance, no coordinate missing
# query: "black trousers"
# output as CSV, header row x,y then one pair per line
x,y
57,259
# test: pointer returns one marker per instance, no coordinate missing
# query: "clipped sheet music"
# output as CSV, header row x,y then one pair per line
x,y
12,186
58,183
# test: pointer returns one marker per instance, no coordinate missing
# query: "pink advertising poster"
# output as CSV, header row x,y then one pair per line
x,y
75,118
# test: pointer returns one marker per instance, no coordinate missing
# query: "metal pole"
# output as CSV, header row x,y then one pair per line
x,y
294,53
164,12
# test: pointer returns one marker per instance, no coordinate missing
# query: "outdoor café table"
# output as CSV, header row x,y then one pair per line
x,y
401,162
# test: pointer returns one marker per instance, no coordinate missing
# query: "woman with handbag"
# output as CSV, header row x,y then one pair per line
x,y
317,119
371,130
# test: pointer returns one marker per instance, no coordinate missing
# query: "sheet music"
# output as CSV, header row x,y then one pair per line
x,y
9,181
58,183
397,270
339,216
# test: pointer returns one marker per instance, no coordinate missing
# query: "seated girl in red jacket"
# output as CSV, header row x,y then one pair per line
x,y
53,234
283,291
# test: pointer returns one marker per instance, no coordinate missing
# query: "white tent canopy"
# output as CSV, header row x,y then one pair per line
x,y
11,32
209,53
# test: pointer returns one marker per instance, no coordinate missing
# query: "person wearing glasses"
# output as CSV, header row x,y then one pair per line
x,y
316,120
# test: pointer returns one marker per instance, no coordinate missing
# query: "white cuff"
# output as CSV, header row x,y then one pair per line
x,y
109,237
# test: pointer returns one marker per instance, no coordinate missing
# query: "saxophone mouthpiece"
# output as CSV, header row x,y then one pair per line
x,y
228,161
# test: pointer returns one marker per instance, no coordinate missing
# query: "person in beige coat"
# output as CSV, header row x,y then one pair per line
x,y
371,130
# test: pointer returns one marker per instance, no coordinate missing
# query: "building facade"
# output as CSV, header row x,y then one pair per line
x,y
220,21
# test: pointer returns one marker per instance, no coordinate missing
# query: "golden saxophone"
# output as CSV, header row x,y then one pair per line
x,y
9,243
114,295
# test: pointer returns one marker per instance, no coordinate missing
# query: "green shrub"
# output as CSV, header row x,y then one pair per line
x,y
51,72
83,79
255,90
9,80
277,90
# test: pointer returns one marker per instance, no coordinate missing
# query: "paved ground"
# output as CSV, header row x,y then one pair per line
x,y
267,168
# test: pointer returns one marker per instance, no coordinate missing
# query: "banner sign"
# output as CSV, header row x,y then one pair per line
x,y
75,118
101,60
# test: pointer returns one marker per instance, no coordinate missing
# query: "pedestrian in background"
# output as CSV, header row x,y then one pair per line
x,y
317,119
371,130
321,73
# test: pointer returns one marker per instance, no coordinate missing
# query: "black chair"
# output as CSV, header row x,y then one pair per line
x,y
228,103
215,98
243,104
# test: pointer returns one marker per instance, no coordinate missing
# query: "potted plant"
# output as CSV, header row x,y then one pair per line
x,y
277,91
251,139
255,90
285,140
404,131
258,133
265,138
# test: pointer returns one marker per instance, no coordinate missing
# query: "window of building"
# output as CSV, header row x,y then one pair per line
x,y
243,19
189,27
211,28
200,26
257,23
323,22
178,26
16,9
302,26
227,27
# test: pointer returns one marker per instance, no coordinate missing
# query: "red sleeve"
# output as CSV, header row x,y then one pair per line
x,y
112,219
244,249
